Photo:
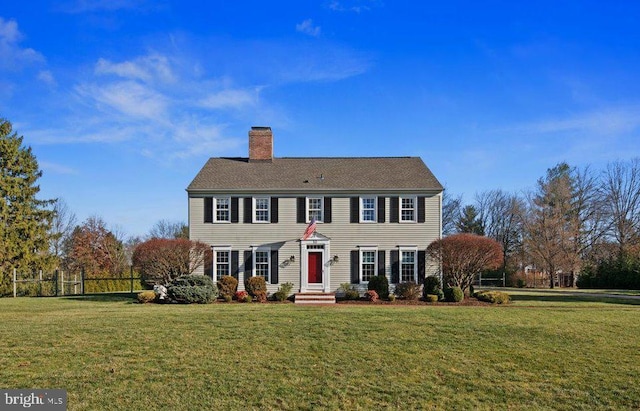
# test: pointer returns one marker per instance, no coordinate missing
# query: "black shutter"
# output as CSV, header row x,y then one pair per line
x,y
355,267
235,272
421,210
208,263
234,210
381,263
301,210
274,266
248,210
208,210
381,210
395,210
248,264
327,210
395,266
355,212
274,209
421,266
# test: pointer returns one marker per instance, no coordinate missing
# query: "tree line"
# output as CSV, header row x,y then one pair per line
x,y
576,221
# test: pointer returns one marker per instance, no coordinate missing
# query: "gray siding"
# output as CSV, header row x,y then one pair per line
x,y
345,236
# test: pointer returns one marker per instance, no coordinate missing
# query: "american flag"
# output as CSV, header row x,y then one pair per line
x,y
310,229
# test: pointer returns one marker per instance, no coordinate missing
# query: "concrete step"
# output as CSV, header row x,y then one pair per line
x,y
315,298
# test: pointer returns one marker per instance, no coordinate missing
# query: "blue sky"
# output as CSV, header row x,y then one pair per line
x,y
123,101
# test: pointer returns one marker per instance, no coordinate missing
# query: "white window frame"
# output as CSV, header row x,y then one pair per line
x,y
362,250
215,250
215,209
318,220
254,253
414,250
255,210
414,209
375,209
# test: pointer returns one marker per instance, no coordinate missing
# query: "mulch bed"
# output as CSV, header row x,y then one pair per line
x,y
465,302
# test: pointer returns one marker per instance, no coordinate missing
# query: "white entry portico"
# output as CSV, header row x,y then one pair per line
x,y
315,264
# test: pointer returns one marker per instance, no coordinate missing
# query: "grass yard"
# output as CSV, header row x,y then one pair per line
x,y
534,354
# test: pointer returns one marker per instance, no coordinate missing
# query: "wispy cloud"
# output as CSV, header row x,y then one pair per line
x,y
355,6
56,168
12,55
146,68
235,99
307,27
47,77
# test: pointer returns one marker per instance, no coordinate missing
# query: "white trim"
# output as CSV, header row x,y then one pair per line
x,y
306,205
254,210
361,209
415,263
415,209
313,245
254,250
215,249
360,262
214,209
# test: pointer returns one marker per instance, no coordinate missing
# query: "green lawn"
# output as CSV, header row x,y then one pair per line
x,y
111,354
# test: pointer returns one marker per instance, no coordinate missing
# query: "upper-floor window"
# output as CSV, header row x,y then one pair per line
x,y
408,265
261,209
315,208
408,209
368,209
368,264
221,209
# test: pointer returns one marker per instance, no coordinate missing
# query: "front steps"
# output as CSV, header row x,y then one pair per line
x,y
315,298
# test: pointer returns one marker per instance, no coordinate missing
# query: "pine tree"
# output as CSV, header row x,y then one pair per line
x,y
469,221
24,219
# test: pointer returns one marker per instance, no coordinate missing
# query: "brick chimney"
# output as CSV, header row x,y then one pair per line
x,y
260,144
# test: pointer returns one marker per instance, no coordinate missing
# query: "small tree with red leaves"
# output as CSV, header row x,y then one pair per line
x,y
161,260
463,256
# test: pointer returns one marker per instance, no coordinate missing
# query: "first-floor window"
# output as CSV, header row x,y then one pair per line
x,y
368,264
221,263
262,263
408,267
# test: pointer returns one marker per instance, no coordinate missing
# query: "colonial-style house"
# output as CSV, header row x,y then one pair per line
x,y
316,222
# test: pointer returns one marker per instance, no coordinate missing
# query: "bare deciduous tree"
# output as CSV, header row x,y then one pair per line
x,y
451,206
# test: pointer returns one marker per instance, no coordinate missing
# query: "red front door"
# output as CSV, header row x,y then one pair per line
x,y
315,268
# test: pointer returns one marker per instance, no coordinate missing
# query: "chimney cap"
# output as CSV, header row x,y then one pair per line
x,y
260,128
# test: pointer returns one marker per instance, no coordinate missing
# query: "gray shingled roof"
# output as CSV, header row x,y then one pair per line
x,y
315,174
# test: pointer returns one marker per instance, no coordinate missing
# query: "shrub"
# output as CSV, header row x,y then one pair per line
x,y
520,283
349,292
240,295
192,289
227,285
227,298
283,292
254,284
493,297
408,290
247,299
432,286
261,296
371,295
431,298
391,297
379,284
453,294
146,297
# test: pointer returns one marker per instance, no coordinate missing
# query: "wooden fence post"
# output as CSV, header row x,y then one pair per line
x,y
15,290
55,283
40,283
82,280
131,273
62,282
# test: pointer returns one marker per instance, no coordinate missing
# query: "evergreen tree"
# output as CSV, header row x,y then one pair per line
x,y
469,221
24,220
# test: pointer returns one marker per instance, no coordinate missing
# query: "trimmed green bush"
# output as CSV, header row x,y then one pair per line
x,y
227,285
283,292
431,298
379,284
431,285
146,297
408,290
349,292
255,284
192,289
227,298
493,297
453,294
391,297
